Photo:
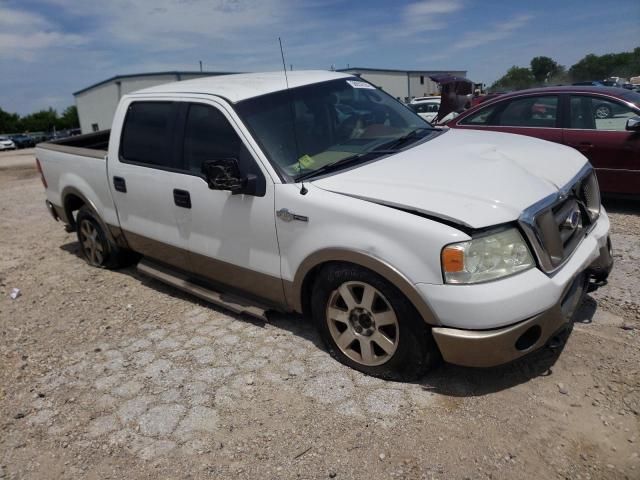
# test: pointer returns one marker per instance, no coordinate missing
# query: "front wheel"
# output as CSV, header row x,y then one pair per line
x,y
369,325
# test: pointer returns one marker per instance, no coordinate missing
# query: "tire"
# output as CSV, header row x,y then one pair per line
x,y
97,249
602,111
369,325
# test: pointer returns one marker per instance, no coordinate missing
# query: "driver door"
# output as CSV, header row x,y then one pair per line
x,y
231,237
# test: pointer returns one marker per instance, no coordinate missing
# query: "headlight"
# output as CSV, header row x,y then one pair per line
x,y
486,257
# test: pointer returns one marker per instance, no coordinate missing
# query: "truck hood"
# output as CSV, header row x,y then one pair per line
x,y
469,177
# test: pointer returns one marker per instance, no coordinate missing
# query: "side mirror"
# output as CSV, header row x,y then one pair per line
x,y
633,124
224,174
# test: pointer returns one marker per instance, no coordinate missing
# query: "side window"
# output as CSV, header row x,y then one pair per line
x,y
595,113
479,118
530,112
209,136
148,133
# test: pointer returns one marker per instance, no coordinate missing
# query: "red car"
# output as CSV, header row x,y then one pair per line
x,y
603,123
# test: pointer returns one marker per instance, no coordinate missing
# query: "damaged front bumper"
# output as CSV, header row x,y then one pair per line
x,y
495,346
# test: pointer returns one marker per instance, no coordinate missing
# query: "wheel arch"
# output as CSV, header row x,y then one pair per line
x,y
72,200
298,292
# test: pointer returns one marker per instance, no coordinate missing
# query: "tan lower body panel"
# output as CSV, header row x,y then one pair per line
x,y
255,284
234,303
488,348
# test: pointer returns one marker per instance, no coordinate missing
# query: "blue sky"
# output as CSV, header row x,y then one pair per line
x,y
51,48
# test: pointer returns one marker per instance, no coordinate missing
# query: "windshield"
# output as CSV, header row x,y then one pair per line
x,y
333,121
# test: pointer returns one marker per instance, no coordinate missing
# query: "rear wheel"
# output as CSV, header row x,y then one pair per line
x,y
369,325
96,247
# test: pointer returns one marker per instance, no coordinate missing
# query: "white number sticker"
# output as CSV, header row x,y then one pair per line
x,y
358,84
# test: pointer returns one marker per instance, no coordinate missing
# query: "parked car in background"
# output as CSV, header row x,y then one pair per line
x,y
601,122
613,82
427,109
7,144
23,141
431,98
594,83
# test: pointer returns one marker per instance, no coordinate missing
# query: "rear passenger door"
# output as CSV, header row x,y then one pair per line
x,y
597,127
146,184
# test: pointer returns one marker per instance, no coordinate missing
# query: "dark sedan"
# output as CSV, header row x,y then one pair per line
x,y
601,122
23,141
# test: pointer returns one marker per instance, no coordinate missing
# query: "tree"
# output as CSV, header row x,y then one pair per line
x,y
599,67
9,122
516,78
543,68
69,118
42,121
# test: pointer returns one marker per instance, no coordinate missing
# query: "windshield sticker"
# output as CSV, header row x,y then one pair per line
x,y
358,84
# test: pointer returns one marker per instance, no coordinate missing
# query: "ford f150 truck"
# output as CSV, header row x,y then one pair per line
x,y
403,242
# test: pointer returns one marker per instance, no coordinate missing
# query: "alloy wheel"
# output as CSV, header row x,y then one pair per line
x,y
362,323
91,243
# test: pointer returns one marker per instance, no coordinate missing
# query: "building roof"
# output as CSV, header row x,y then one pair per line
x,y
236,88
150,74
391,70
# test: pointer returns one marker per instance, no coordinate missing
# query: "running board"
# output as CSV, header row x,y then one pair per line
x,y
230,302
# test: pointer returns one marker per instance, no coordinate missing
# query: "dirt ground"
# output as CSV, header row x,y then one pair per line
x,y
108,374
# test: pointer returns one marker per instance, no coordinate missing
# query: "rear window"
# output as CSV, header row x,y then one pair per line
x,y
530,112
481,117
631,96
148,133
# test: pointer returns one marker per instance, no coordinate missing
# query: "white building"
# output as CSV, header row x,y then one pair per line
x,y
97,103
403,84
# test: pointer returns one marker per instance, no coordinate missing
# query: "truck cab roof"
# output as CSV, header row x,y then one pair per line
x,y
238,87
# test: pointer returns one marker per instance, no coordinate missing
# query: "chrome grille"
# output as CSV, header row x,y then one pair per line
x,y
556,225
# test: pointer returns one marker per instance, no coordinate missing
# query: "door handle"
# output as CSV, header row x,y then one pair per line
x,y
181,198
583,146
119,184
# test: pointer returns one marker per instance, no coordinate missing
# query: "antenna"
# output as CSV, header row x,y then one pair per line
x,y
303,189
284,65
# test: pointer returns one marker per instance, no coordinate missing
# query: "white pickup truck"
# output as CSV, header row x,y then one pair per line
x,y
325,196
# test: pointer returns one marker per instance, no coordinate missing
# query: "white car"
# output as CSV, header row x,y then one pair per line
x,y
427,109
403,242
431,98
7,144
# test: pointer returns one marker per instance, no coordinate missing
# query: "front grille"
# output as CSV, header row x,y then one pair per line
x,y
556,225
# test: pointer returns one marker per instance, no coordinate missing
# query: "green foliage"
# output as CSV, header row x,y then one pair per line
x,y
9,122
69,118
599,67
543,68
42,121
546,71
516,78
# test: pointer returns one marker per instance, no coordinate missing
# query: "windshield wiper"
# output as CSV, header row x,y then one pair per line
x,y
341,163
397,142
385,148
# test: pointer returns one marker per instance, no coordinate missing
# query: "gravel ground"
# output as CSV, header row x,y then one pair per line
x,y
112,375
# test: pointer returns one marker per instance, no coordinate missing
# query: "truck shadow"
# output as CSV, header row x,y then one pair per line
x,y
444,379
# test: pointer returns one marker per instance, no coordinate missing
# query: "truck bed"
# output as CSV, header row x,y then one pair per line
x,y
93,144
77,165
